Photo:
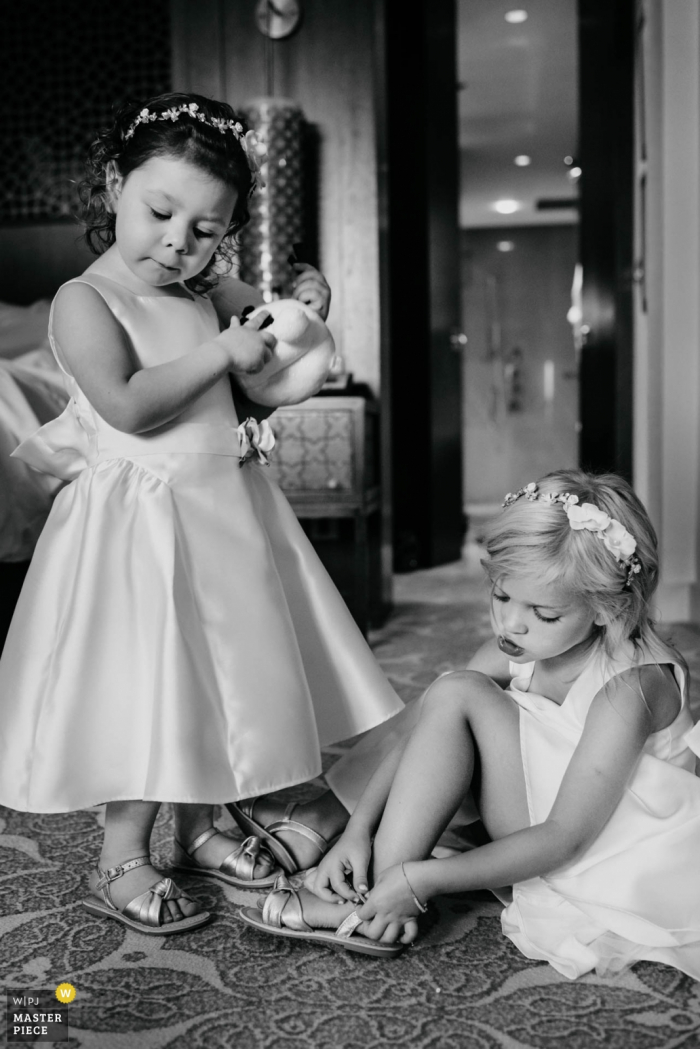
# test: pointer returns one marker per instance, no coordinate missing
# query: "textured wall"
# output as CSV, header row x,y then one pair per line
x,y
62,69
328,67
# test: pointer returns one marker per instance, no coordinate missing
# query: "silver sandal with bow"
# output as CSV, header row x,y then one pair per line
x,y
282,915
237,869
242,812
145,912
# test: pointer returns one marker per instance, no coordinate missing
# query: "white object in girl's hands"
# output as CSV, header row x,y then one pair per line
x,y
301,360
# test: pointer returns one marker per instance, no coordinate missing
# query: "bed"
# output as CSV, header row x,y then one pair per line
x,y
31,393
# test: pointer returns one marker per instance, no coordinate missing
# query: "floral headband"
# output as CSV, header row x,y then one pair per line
x,y
614,535
248,140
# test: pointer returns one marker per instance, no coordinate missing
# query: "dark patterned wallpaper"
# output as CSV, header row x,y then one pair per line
x,y
64,64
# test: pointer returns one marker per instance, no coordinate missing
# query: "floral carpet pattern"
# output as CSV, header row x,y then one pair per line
x,y
226,986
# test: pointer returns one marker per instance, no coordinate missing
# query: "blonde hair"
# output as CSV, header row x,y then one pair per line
x,y
533,537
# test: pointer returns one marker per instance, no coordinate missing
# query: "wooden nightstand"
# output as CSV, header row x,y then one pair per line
x,y
326,463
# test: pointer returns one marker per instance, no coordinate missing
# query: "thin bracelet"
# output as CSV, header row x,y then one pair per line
x,y
422,907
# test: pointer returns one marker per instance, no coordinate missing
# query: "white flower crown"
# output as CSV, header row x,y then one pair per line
x,y
615,537
255,153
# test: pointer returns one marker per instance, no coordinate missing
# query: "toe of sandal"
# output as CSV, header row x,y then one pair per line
x,y
145,912
237,869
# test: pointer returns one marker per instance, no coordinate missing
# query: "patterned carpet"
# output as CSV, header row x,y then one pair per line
x,y
228,987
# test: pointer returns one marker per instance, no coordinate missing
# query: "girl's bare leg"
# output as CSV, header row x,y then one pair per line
x,y
128,827
464,715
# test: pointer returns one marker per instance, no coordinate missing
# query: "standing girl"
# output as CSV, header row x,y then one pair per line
x,y
176,638
572,729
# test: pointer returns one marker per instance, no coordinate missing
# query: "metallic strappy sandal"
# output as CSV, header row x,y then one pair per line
x,y
237,868
243,814
282,915
144,912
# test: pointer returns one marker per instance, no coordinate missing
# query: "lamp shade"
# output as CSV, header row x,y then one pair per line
x,y
276,209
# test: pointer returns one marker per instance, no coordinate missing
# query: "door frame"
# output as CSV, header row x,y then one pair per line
x,y
606,233
419,275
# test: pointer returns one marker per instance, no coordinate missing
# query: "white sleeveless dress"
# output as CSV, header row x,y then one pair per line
x,y
177,638
635,893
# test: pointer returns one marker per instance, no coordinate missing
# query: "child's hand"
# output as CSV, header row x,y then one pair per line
x,y
390,910
312,288
248,349
349,857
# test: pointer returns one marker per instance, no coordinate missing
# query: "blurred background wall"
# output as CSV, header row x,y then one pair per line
x,y
452,258
329,68
62,67
667,285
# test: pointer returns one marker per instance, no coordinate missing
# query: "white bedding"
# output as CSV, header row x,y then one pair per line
x,y
31,393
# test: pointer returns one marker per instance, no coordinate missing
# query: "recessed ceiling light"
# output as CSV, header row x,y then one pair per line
x,y
568,160
506,245
506,207
522,160
515,16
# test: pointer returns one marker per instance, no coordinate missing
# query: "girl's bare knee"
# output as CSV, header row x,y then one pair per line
x,y
461,688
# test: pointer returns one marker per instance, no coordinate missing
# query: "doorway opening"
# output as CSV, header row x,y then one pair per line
x,y
545,142
519,169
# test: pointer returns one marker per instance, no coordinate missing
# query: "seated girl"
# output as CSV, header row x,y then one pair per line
x,y
572,731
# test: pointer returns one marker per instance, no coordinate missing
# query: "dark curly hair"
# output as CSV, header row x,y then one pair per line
x,y
220,155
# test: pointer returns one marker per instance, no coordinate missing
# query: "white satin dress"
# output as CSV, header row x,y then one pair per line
x,y
635,893
177,638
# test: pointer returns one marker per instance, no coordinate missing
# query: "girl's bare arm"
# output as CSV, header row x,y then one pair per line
x,y
310,286
98,354
231,296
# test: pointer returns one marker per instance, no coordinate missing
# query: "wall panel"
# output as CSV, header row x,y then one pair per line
x,y
328,68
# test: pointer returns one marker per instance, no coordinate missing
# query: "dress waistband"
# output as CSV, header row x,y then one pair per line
x,y
185,439
63,448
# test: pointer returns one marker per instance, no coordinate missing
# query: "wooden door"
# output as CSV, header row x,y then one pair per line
x,y
420,285
606,122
